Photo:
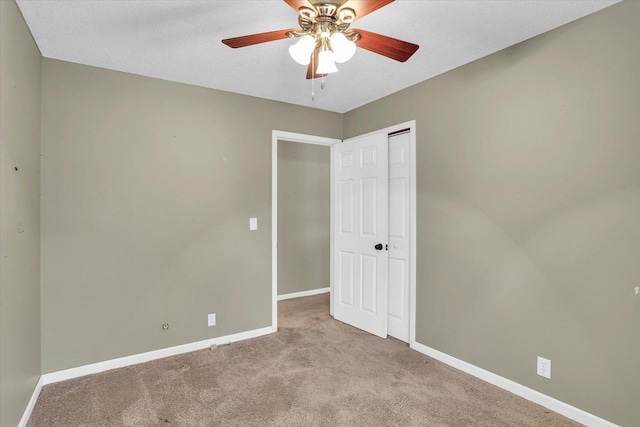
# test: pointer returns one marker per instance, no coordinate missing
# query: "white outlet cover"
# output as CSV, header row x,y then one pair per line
x,y
253,224
211,319
544,367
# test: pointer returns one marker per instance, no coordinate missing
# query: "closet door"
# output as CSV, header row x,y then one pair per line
x,y
399,235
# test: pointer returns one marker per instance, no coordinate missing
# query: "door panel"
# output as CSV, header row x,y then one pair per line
x,y
397,309
368,283
345,268
346,212
369,190
397,207
361,179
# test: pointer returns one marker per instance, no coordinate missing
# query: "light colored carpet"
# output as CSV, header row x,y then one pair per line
x,y
314,371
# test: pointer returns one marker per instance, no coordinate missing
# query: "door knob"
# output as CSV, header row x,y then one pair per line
x,y
378,247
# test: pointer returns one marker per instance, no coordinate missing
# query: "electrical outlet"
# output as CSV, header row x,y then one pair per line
x,y
211,319
544,367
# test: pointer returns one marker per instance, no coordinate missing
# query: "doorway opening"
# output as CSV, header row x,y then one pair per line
x,y
287,137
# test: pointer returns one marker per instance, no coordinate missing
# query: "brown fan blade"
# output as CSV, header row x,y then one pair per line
x,y
312,64
365,7
386,46
297,4
252,39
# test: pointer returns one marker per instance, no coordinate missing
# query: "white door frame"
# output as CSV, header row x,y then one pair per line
x,y
278,135
411,125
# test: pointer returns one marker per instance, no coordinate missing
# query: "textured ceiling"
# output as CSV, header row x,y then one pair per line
x,y
180,41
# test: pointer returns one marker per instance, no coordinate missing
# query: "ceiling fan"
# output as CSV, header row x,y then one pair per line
x,y
325,37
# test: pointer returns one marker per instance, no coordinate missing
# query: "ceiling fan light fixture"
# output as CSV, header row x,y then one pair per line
x,y
301,51
347,15
343,48
307,13
326,63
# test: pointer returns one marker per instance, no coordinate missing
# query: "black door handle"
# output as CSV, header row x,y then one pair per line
x,y
378,247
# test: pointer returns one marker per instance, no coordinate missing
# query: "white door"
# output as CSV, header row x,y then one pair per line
x,y
360,180
399,235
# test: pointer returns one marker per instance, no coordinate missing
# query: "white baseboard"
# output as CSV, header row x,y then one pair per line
x,y
303,294
534,396
31,404
121,362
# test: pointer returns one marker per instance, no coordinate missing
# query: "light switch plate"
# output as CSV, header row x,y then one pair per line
x,y
253,224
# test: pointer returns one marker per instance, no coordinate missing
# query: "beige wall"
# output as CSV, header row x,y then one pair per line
x,y
528,180
20,65
147,191
303,217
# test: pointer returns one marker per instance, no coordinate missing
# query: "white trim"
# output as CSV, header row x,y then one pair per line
x,y
414,232
32,403
303,138
274,229
121,362
331,225
304,293
532,395
277,135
